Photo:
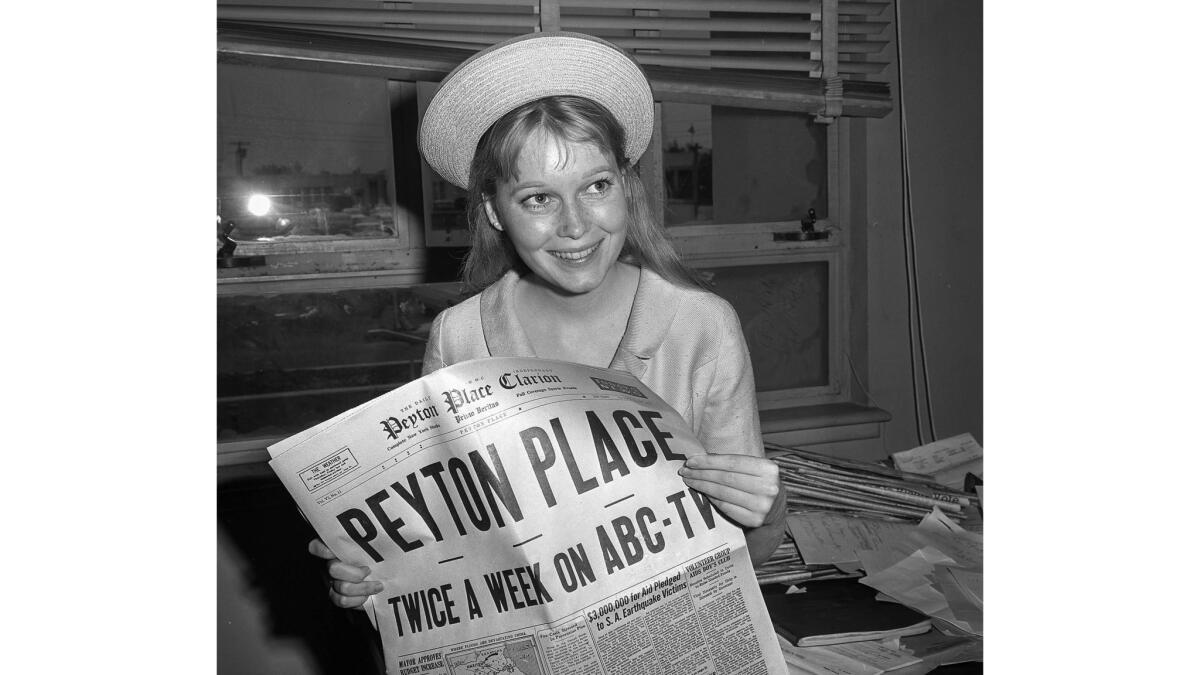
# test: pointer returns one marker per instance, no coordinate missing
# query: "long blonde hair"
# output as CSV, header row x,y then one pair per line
x,y
567,119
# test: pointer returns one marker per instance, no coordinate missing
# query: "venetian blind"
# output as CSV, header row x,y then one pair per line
x,y
826,57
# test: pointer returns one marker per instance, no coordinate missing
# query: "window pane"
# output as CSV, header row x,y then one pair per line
x,y
736,165
784,310
286,362
687,162
303,156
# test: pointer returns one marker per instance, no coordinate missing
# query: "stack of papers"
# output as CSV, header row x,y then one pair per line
x,y
947,461
907,539
818,482
934,567
855,658
785,566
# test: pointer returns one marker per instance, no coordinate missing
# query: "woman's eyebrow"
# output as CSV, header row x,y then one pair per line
x,y
528,184
602,168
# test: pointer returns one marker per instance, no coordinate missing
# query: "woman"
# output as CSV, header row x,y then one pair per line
x,y
543,131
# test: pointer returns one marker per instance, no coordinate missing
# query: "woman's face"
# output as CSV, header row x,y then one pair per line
x,y
565,213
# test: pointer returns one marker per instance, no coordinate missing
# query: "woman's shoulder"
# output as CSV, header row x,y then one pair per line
x,y
467,311
455,335
464,311
686,302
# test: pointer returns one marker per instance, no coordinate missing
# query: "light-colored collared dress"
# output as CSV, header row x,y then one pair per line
x,y
686,344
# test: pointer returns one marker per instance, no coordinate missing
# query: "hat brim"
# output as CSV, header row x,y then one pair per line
x,y
509,74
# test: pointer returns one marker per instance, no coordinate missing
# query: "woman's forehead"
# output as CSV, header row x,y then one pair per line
x,y
546,153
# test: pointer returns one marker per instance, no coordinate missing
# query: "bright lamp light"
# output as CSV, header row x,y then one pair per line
x,y
259,205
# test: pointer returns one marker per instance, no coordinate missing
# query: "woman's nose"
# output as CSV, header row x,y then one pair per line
x,y
572,223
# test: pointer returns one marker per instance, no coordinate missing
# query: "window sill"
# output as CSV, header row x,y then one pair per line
x,y
828,423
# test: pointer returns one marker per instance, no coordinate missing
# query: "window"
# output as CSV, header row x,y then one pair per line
x,y
290,360
736,165
303,157
787,318
316,174
750,184
784,271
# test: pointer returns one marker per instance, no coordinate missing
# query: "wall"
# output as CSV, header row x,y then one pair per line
x,y
941,55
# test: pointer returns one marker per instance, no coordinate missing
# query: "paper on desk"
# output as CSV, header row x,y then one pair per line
x,y
971,583
936,647
910,581
960,610
810,662
829,539
874,562
872,657
926,586
947,461
873,653
931,643
938,531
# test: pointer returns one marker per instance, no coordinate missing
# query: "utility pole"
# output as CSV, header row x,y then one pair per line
x,y
240,152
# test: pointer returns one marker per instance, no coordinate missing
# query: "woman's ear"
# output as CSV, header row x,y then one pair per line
x,y
491,215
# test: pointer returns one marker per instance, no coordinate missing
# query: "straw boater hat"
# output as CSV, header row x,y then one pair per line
x,y
509,74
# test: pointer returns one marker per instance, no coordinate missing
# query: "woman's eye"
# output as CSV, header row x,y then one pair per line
x,y
600,186
537,200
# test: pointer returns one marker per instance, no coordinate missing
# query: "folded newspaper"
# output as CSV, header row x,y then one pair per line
x,y
526,516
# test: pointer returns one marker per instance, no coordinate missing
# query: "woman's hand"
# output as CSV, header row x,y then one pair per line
x,y
349,588
744,487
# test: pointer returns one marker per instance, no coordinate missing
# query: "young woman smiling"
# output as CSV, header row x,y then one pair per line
x,y
543,131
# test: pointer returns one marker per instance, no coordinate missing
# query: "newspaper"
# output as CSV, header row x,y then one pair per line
x,y
526,516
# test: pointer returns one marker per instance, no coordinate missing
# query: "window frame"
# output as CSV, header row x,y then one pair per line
x,y
729,244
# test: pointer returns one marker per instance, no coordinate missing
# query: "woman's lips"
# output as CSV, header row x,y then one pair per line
x,y
577,256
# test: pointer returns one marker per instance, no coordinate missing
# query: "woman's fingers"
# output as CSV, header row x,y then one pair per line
x,y
743,487
737,513
318,548
348,585
756,476
757,485
748,509
734,463
344,571
353,593
338,569
356,588
347,601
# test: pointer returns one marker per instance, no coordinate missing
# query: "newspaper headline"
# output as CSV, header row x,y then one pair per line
x,y
526,516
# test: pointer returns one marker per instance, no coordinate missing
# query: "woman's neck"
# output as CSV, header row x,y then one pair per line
x,y
614,295
585,328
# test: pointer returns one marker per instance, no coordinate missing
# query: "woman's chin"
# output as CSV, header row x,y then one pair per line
x,y
574,277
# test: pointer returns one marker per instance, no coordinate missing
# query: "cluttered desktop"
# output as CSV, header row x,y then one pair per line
x,y
882,569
